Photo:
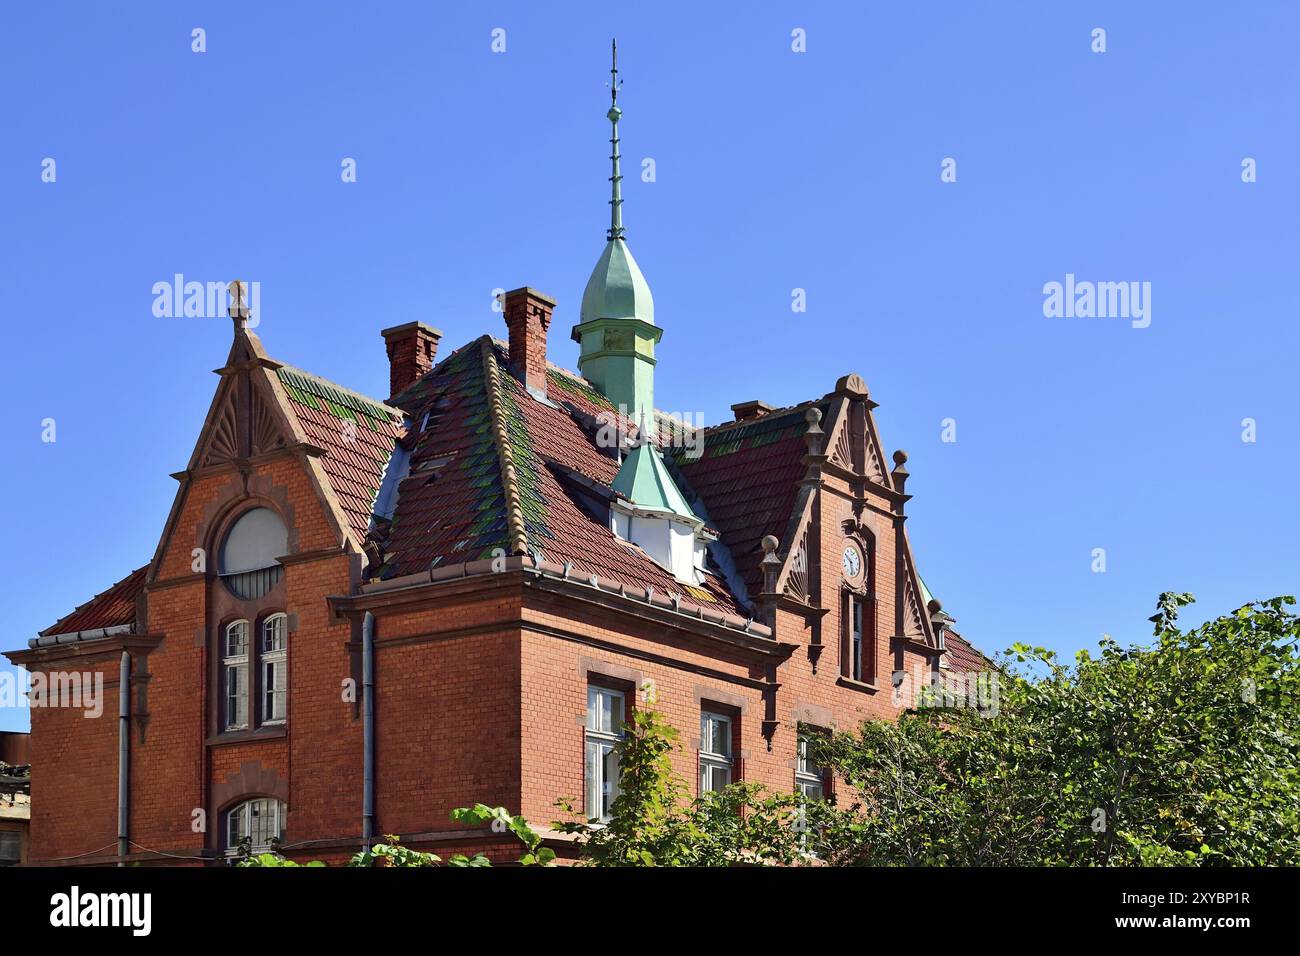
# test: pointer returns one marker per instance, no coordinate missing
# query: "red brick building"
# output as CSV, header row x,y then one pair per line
x,y
363,614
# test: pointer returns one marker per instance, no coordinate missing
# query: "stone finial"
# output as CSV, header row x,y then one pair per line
x,y
852,385
814,436
238,308
933,606
900,472
771,563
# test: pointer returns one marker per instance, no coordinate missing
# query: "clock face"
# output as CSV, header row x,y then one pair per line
x,y
852,561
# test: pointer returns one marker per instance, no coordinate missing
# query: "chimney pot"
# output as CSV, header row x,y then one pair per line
x,y
411,350
528,317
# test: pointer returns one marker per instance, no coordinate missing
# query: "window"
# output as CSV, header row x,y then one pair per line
x,y
604,733
809,779
275,669
855,632
260,821
858,650
715,752
234,669
249,564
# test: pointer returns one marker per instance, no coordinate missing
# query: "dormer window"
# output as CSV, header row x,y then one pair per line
x,y
249,555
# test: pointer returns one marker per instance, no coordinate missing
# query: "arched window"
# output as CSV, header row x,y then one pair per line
x,y
259,821
275,668
234,675
248,555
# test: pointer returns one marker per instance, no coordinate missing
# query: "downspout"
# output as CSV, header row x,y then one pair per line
x,y
368,731
123,753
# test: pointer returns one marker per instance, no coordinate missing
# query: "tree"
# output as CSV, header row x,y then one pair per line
x,y
1186,752
653,823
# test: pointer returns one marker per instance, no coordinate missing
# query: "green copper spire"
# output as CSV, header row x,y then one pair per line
x,y
616,327
644,480
616,178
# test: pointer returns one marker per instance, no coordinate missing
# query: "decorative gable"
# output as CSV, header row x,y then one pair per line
x,y
246,418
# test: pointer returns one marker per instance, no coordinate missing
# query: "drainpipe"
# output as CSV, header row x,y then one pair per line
x,y
368,725
123,752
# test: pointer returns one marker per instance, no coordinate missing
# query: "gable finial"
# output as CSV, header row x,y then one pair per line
x,y
238,309
616,178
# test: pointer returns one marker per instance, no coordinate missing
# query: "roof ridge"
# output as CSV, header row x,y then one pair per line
x,y
386,409
712,430
518,535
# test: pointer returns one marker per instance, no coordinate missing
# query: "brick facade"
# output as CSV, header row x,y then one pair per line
x,y
481,677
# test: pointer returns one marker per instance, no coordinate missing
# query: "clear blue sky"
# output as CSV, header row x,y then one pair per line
x,y
775,171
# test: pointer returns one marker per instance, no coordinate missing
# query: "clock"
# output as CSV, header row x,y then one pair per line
x,y
851,561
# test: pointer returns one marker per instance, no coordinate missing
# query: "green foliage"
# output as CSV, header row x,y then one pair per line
x,y
1183,753
392,853
652,823
272,859
501,821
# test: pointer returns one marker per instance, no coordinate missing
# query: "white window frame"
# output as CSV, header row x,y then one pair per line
x,y
712,762
273,658
807,777
234,665
602,742
238,823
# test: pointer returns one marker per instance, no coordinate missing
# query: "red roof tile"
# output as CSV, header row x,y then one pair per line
x,y
451,506
962,655
748,476
111,608
357,434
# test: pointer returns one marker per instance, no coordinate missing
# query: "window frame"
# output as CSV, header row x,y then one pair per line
x,y
278,659
605,741
711,761
242,810
806,773
237,664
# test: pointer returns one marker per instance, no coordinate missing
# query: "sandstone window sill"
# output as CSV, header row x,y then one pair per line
x,y
276,732
863,686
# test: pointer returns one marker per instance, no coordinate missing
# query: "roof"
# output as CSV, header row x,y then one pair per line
x,y
643,480
962,655
113,607
484,449
617,289
747,474
357,434
489,469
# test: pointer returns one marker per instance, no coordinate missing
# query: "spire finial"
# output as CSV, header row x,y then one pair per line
x,y
616,177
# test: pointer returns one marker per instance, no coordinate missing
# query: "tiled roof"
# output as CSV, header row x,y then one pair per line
x,y
452,506
111,608
478,440
748,477
962,655
357,433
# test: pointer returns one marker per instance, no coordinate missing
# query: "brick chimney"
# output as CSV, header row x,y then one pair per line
x,y
411,348
528,316
751,409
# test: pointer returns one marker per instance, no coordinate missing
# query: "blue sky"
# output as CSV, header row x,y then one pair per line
x,y
775,170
